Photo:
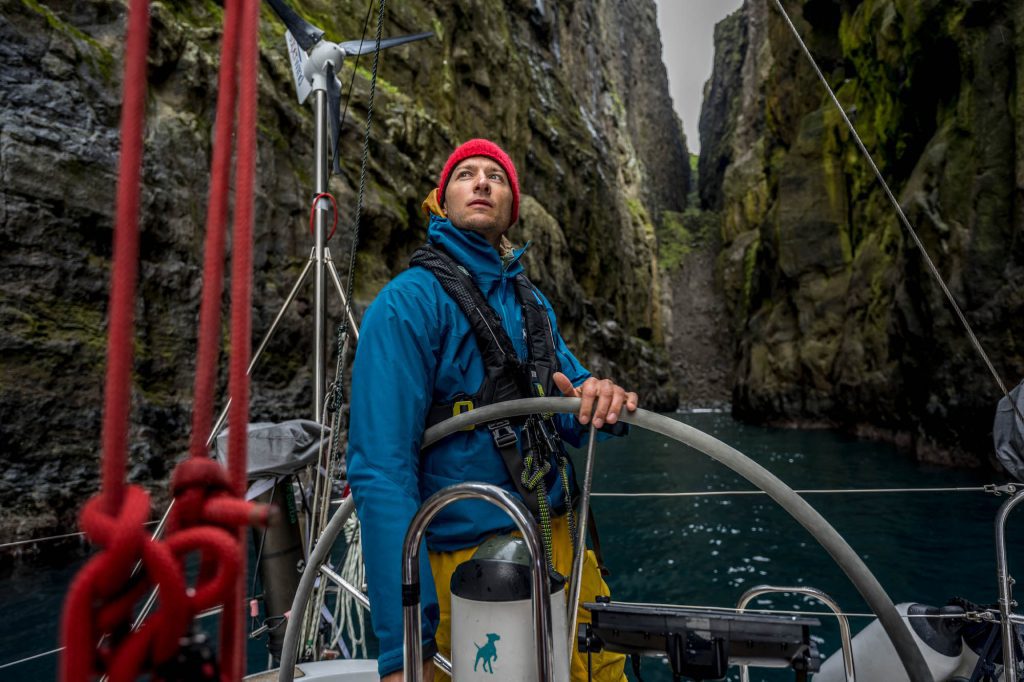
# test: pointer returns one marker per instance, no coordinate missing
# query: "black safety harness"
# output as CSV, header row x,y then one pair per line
x,y
507,377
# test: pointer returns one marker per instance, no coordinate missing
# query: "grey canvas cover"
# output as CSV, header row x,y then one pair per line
x,y
1008,433
278,449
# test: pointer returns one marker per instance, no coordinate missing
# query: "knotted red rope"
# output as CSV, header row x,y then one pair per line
x,y
210,517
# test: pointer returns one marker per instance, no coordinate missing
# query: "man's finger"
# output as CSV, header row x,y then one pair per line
x,y
604,401
618,397
564,385
632,401
588,394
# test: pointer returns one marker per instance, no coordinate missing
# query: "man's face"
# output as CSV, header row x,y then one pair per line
x,y
479,198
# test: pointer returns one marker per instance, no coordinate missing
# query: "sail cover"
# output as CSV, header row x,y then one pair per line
x,y
1008,433
277,449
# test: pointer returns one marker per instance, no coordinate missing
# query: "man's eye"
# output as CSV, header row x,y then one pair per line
x,y
464,174
498,177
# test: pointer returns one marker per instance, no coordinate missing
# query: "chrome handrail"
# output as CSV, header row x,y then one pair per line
x,y
514,507
844,623
1006,581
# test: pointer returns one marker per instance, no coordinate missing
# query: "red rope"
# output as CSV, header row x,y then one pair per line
x,y
233,627
210,515
313,209
125,266
208,342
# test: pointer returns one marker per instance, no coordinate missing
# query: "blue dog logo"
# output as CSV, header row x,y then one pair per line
x,y
487,653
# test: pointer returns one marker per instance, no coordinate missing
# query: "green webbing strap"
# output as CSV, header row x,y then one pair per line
x,y
507,442
563,470
533,477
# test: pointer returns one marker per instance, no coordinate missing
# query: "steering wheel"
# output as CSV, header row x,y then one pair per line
x,y
827,536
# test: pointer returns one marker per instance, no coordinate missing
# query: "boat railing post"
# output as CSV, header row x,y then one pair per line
x,y
1006,602
413,645
580,548
844,623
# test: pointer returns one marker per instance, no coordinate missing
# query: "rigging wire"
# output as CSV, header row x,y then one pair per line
x,y
10,664
50,538
899,210
353,248
686,493
721,609
355,67
795,612
33,657
814,491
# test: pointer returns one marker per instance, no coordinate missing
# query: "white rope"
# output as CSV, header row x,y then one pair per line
x,y
349,615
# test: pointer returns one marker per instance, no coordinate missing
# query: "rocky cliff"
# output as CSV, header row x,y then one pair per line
x,y
836,319
575,91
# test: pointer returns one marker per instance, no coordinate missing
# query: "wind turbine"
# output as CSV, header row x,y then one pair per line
x,y
316,63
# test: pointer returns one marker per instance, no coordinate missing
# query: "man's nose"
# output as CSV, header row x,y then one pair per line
x,y
480,182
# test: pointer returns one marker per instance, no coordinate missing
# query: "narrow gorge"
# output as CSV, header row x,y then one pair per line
x,y
831,315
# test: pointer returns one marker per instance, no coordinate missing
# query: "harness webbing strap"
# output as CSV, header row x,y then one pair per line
x,y
494,342
506,377
541,447
507,442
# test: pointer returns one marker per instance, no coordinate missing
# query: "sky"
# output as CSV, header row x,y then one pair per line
x,y
687,48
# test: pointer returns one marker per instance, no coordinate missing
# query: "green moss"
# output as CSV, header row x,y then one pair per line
x,y
59,321
101,58
639,216
58,24
437,27
681,233
675,242
750,271
382,84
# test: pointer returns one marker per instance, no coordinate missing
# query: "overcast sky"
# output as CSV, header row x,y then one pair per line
x,y
687,39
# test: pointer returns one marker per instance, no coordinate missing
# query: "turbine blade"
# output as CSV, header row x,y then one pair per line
x,y
334,110
367,46
306,34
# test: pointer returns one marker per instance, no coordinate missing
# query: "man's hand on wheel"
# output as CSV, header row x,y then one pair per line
x,y
600,399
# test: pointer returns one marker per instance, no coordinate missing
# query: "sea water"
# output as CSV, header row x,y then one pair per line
x,y
707,550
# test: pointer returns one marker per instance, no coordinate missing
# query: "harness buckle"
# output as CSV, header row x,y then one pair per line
x,y
461,406
503,434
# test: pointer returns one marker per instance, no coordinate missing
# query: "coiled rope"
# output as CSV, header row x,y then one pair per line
x,y
210,516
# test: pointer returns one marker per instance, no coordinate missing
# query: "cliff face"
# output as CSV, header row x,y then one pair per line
x,y
836,318
558,85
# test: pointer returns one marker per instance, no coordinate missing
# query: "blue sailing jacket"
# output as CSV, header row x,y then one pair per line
x,y
415,348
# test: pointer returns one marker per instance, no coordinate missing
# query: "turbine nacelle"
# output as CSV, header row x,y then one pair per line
x,y
316,62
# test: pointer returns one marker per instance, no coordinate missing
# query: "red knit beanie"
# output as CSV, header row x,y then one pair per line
x,y
480,147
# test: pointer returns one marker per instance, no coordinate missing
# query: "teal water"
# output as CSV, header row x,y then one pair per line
x,y
923,547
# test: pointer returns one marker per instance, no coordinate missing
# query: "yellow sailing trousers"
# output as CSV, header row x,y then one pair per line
x,y
607,666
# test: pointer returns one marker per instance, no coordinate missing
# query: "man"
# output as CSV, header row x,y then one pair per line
x,y
418,356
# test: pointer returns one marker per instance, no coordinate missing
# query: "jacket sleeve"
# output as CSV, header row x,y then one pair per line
x,y
392,383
